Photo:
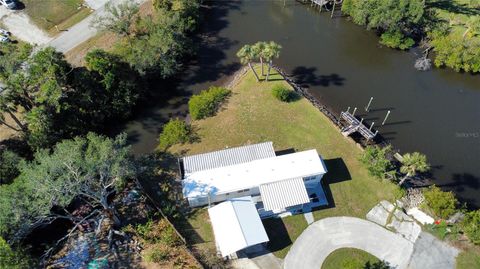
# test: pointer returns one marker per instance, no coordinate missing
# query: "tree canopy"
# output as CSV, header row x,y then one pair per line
x,y
396,19
89,169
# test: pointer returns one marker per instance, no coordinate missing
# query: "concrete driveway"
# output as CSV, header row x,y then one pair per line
x,y
324,236
20,25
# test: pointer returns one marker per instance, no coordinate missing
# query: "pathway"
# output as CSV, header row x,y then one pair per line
x,y
324,236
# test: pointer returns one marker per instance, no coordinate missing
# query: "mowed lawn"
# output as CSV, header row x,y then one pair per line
x,y
62,13
346,258
253,115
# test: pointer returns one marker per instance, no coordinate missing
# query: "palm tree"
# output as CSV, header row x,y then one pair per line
x,y
272,50
247,54
473,27
259,49
412,163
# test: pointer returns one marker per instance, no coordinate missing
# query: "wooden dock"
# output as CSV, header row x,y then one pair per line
x,y
354,125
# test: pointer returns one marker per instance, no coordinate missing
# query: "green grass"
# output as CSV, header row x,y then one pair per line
x,y
253,115
348,258
48,13
283,232
456,13
469,259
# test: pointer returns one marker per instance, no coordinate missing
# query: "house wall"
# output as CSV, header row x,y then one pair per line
x,y
203,201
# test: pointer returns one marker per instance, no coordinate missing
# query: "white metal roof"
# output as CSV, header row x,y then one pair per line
x,y
228,157
283,194
253,174
236,225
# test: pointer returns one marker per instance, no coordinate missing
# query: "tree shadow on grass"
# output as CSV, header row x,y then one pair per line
x,y
454,7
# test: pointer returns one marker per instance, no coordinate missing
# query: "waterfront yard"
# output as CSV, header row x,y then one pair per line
x,y
253,115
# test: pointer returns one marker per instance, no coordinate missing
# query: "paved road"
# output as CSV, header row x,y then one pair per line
x,y
324,236
81,31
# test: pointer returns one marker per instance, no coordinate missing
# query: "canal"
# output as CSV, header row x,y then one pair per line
x,y
435,112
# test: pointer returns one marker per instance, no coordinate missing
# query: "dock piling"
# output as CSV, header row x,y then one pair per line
x,y
386,117
367,108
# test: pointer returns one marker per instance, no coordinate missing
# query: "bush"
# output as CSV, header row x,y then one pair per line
x,y
282,93
375,158
443,204
471,226
158,253
158,232
396,40
206,103
9,162
175,131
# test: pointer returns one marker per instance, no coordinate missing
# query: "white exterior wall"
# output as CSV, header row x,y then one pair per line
x,y
203,201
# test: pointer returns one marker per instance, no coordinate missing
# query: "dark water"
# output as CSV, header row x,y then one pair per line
x,y
435,112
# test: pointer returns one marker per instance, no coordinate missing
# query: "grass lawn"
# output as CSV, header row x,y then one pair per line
x,y
253,115
48,13
103,40
456,13
349,258
469,258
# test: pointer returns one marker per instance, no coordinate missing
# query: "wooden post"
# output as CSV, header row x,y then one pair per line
x,y
333,9
371,126
361,121
348,109
354,110
369,103
376,132
386,117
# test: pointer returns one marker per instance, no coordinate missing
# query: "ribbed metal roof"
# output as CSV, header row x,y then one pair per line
x,y
285,193
228,157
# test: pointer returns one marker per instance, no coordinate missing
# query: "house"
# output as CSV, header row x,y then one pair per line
x,y
276,183
244,184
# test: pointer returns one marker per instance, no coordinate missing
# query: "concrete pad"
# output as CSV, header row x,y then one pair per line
x,y
420,216
408,229
401,216
95,4
387,205
324,236
379,215
431,253
309,217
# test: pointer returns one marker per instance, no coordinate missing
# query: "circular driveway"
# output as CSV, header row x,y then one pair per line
x,y
324,236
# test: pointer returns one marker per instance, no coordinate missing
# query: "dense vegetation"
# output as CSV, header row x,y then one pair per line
x,y
175,131
206,103
282,93
70,173
450,28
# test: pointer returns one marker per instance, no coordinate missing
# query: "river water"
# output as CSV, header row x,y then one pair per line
x,y
435,112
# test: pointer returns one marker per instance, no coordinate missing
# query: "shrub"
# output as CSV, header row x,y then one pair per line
x,y
175,131
375,158
9,162
282,93
443,204
158,232
471,226
158,253
206,103
396,40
